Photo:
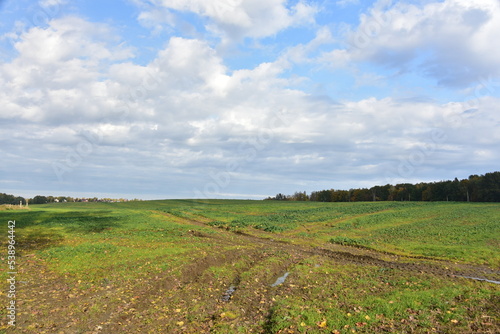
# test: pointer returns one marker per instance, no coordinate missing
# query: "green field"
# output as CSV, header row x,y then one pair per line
x,y
208,266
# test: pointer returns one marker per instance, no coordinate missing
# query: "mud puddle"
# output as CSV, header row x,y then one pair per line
x,y
480,279
281,279
231,290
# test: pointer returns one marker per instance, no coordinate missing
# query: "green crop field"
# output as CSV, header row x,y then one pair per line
x,y
229,266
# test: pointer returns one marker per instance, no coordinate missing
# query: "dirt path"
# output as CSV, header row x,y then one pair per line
x,y
362,256
218,291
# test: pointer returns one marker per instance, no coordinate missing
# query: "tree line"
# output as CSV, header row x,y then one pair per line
x,y
11,199
476,188
16,200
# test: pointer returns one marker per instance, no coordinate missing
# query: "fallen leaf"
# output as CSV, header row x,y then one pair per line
x,y
228,315
322,324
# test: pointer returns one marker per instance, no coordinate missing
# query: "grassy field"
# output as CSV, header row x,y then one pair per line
x,y
185,266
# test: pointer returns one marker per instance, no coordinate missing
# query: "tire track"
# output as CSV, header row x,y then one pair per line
x,y
370,257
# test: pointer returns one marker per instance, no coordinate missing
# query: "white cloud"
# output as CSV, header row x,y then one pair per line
x,y
344,3
171,122
450,41
50,3
58,70
236,19
301,53
156,19
67,39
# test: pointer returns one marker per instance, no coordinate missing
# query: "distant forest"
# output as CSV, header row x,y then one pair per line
x,y
477,188
16,200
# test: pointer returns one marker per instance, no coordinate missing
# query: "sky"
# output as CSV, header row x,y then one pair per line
x,y
158,99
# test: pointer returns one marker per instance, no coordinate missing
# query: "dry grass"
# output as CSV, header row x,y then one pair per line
x,y
6,207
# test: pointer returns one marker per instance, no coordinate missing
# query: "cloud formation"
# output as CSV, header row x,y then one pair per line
x,y
234,20
450,41
80,113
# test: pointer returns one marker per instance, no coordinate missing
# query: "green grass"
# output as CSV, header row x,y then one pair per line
x,y
343,298
127,247
458,231
468,232
91,240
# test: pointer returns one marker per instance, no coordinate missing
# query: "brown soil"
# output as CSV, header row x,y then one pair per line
x,y
192,299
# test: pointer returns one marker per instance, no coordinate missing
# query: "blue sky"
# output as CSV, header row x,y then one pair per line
x,y
244,98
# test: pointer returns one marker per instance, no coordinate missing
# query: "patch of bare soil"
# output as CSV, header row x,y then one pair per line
x,y
360,256
194,298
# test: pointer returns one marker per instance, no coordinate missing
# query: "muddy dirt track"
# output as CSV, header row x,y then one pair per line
x,y
361,256
257,305
192,299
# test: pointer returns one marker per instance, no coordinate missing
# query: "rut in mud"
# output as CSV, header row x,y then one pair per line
x,y
234,285
360,256
251,297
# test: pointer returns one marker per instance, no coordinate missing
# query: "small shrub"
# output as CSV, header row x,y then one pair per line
x,y
345,241
269,227
217,223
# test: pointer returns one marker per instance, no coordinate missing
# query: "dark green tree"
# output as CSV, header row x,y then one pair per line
x,y
38,200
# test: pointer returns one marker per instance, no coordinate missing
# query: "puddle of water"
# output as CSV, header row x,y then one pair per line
x,y
280,280
229,293
481,279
